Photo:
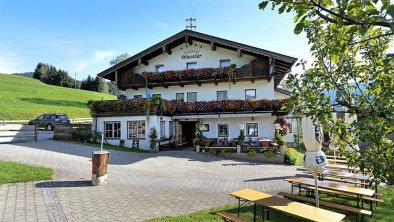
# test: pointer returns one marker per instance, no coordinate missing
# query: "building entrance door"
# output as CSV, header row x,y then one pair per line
x,y
188,131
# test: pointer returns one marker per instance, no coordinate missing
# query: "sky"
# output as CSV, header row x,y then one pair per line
x,y
82,36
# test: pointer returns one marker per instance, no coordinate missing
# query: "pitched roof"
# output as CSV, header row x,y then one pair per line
x,y
283,62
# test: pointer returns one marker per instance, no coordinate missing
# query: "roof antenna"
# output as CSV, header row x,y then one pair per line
x,y
191,26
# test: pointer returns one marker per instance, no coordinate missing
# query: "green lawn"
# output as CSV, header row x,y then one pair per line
x,y
26,98
383,213
11,172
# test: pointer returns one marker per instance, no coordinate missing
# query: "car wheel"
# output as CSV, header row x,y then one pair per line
x,y
49,127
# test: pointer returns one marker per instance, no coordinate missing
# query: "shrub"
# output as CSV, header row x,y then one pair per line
x,y
252,153
269,153
289,160
122,97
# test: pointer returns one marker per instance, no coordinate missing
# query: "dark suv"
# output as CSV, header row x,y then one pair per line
x,y
49,121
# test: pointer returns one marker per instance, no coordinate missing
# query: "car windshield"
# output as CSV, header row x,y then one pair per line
x,y
41,117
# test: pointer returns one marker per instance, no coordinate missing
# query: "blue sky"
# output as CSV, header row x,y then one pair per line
x,y
83,36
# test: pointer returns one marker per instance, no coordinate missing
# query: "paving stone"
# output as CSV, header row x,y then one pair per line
x,y
141,185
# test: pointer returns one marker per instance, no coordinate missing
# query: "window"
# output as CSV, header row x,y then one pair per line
x,y
221,95
112,130
252,129
159,68
137,96
136,130
156,95
290,126
180,97
162,129
222,129
206,128
225,63
250,94
41,117
191,97
191,65
171,128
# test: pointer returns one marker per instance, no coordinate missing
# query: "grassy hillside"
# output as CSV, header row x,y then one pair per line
x,y
26,98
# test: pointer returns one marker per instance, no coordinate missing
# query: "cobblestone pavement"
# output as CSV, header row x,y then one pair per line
x,y
141,185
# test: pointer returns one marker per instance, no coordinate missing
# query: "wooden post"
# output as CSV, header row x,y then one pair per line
x,y
100,161
35,133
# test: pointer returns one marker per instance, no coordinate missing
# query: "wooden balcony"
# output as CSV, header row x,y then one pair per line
x,y
255,70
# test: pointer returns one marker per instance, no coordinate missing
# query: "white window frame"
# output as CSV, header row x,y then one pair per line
x,y
139,134
220,91
158,67
247,130
189,63
189,93
162,129
207,127
224,60
228,129
171,128
255,93
113,132
290,126
183,97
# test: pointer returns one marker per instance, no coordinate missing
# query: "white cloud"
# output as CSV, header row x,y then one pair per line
x,y
158,24
10,62
80,67
100,55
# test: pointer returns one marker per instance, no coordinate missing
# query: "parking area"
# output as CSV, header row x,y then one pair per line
x,y
141,185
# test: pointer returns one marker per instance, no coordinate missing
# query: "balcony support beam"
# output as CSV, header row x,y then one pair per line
x,y
213,46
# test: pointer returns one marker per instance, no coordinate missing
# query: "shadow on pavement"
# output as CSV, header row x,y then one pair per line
x,y
76,183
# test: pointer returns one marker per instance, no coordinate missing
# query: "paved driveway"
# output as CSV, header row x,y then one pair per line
x,y
141,185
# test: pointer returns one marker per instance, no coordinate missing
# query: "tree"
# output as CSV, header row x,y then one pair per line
x,y
119,59
41,71
102,86
349,41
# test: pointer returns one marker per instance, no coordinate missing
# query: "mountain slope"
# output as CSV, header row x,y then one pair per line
x,y
26,98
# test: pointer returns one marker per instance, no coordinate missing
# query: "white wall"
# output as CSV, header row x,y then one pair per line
x,y
279,95
208,59
206,92
265,126
154,121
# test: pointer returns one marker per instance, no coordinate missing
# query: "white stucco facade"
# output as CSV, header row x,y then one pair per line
x,y
203,56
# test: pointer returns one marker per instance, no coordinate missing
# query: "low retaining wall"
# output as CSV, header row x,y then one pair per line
x,y
258,158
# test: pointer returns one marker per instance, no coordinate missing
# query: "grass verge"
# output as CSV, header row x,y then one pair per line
x,y
11,172
384,212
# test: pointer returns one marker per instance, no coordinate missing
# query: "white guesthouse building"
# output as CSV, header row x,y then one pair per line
x,y
214,81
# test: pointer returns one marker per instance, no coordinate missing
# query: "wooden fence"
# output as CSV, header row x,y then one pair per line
x,y
72,120
15,133
65,132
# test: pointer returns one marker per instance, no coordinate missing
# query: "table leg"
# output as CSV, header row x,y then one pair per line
x,y
299,189
254,213
239,206
263,213
292,188
358,201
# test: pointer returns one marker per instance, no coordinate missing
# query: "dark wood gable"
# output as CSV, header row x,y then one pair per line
x,y
269,64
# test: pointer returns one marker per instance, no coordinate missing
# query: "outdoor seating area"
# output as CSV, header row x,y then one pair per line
x,y
257,144
339,182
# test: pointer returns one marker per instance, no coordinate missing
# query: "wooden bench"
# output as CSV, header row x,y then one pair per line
x,y
335,157
166,143
337,161
294,208
370,199
230,217
358,211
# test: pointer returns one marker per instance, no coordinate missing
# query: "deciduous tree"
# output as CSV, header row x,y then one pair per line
x,y
350,42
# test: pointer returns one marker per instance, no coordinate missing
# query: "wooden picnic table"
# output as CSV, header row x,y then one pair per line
x,y
329,185
346,175
342,168
337,161
297,209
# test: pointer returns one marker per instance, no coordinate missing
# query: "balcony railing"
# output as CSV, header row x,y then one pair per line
x,y
165,107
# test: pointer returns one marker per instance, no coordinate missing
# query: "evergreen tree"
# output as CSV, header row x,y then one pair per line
x,y
102,86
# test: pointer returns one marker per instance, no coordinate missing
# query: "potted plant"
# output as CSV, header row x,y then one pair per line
x,y
153,138
156,102
199,136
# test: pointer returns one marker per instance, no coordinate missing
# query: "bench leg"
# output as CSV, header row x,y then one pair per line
x,y
263,212
268,214
254,213
239,206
